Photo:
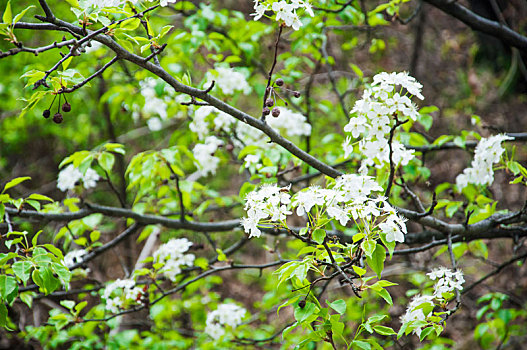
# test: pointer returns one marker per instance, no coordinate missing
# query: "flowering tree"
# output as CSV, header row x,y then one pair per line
x,y
237,199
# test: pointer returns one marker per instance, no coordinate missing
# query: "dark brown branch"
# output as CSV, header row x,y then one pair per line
x,y
91,77
482,24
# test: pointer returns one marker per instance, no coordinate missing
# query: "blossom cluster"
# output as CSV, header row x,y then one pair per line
x,y
120,294
172,256
225,315
348,199
228,80
487,152
70,175
208,119
269,201
447,281
207,162
421,307
74,257
376,113
285,11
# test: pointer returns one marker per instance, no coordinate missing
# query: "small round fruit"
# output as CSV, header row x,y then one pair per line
x,y
266,111
276,112
279,82
296,94
46,113
57,118
269,102
66,107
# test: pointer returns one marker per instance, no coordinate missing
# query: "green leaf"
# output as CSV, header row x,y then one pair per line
x,y
21,14
221,255
301,314
359,344
66,63
3,315
43,277
319,235
63,274
7,286
382,330
287,303
368,246
39,197
68,304
115,147
286,331
386,296
359,270
54,250
376,261
15,182
8,14
339,306
35,238
95,235
106,161
22,270
27,298
357,70
425,332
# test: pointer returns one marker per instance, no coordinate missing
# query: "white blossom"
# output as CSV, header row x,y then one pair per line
x,y
285,11
100,4
121,293
207,163
259,9
414,311
487,152
225,315
70,175
164,3
292,123
447,280
73,257
172,256
373,119
267,202
228,80
154,124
